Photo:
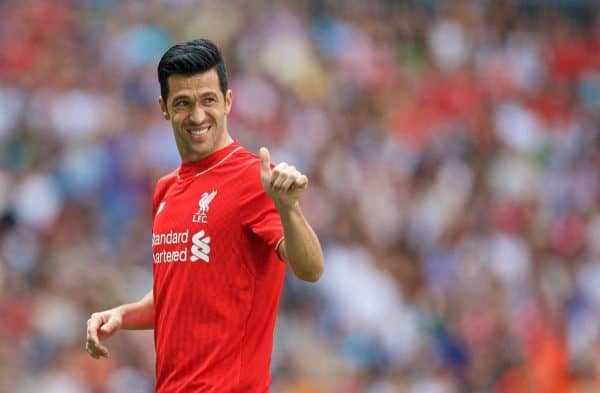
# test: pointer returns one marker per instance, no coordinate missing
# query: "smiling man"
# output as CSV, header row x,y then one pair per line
x,y
224,225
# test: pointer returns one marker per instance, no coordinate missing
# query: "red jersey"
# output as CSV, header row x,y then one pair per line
x,y
217,275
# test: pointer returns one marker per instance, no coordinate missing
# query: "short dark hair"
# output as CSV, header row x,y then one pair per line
x,y
189,58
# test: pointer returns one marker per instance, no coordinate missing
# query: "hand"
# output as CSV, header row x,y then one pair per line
x,y
101,326
284,183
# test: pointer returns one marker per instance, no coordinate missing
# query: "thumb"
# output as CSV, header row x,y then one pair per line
x,y
109,327
265,160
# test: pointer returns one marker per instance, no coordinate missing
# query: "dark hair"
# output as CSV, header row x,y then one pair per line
x,y
189,58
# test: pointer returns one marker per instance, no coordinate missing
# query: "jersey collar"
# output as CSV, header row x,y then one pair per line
x,y
191,169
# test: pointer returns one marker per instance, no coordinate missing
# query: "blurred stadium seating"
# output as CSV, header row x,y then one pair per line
x,y
452,149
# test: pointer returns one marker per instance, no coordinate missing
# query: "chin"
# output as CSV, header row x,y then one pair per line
x,y
203,151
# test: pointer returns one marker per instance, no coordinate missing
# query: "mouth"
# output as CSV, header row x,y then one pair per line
x,y
199,133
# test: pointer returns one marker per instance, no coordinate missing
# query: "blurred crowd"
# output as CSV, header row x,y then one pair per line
x,y
452,152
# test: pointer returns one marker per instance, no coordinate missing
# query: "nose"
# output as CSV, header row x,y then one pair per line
x,y
198,114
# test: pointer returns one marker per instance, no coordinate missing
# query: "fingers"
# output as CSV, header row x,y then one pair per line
x,y
277,177
93,324
284,183
97,351
301,181
286,177
92,345
109,328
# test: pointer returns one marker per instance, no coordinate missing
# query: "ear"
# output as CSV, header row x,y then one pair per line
x,y
228,101
163,108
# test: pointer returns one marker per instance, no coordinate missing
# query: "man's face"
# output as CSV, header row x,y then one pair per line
x,y
197,110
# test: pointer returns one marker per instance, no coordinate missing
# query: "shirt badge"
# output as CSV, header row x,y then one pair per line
x,y
204,205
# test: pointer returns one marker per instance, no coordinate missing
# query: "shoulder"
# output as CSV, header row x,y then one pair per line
x,y
246,158
246,166
164,183
244,173
167,179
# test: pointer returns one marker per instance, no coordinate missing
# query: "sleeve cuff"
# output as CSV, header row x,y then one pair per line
x,y
277,247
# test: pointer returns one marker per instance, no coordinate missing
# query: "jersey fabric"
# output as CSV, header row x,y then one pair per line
x,y
217,275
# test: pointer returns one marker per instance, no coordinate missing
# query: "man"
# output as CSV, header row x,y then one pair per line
x,y
222,224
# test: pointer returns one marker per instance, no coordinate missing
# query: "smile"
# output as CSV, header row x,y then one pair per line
x,y
199,132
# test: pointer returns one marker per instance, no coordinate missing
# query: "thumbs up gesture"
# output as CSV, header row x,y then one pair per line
x,y
283,183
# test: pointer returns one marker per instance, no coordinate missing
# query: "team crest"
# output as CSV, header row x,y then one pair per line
x,y
204,204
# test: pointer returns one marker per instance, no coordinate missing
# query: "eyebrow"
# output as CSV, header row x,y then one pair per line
x,y
180,97
209,93
187,96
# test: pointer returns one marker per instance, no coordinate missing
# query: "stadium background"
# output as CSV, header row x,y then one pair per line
x,y
452,148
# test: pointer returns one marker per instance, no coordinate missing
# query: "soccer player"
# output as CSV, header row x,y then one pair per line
x,y
223,224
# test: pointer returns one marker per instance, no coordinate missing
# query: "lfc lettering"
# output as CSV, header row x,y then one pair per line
x,y
200,218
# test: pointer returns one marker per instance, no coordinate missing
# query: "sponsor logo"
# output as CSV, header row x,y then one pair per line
x,y
178,250
200,247
204,205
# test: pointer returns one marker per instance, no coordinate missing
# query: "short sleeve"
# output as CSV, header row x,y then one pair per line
x,y
162,186
257,211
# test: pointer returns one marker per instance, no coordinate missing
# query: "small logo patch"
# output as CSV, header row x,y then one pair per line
x,y
204,205
161,206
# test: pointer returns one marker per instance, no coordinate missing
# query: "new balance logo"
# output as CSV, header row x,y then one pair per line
x,y
160,207
200,247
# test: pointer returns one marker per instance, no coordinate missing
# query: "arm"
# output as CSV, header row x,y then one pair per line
x,y
300,247
131,316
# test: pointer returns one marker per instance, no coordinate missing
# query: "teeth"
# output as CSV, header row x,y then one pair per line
x,y
198,132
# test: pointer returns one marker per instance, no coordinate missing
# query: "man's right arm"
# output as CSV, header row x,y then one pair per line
x,y
131,316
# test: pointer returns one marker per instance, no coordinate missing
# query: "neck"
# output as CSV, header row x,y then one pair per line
x,y
224,140
193,156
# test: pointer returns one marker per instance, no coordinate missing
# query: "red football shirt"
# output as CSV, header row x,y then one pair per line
x,y
217,275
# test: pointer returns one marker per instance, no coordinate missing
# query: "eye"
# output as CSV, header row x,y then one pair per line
x,y
181,103
210,100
